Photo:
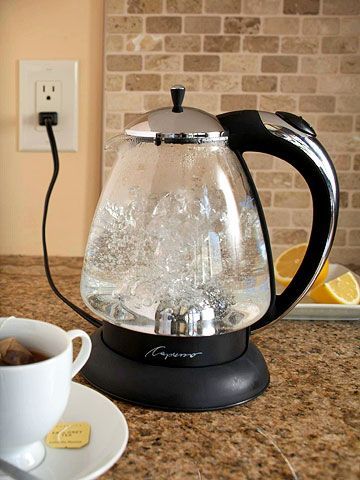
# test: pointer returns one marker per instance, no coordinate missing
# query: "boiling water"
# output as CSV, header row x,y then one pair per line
x,y
177,263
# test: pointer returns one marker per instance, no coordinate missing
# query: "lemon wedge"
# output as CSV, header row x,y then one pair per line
x,y
288,263
342,290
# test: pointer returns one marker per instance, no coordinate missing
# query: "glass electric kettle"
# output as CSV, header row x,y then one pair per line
x,y
178,262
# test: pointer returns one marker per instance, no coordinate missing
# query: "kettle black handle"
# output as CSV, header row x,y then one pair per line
x,y
290,138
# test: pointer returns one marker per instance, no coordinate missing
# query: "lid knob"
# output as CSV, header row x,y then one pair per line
x,y
177,95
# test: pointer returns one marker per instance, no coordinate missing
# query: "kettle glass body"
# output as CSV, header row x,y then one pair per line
x,y
176,246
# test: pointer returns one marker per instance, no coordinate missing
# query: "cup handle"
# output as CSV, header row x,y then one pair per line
x,y
85,350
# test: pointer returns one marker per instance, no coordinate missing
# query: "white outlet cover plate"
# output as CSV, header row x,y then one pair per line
x,y
33,137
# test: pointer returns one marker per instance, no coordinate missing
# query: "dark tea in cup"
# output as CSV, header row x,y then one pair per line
x,y
13,353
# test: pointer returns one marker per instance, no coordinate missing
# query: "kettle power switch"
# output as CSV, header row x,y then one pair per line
x,y
297,122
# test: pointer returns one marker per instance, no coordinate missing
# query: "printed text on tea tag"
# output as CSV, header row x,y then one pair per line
x,y
69,435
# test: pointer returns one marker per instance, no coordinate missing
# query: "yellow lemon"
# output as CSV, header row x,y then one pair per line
x,y
344,290
288,263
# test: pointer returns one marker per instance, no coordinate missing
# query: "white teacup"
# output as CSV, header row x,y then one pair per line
x,y
33,397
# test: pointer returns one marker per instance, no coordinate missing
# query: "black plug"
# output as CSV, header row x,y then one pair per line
x,y
53,116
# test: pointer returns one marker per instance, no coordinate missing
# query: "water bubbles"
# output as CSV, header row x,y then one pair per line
x,y
169,257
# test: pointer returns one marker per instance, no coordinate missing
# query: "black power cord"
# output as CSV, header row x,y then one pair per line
x,y
49,119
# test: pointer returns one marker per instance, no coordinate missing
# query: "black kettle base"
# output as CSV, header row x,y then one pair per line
x,y
176,388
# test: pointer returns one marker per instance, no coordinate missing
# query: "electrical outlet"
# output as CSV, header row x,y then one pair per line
x,y
48,96
48,86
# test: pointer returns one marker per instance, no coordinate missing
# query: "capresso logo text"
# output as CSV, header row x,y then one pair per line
x,y
161,352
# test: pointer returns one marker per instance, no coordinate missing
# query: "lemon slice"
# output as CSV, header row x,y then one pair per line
x,y
288,263
342,290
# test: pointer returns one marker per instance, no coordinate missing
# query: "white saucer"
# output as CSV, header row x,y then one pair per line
x,y
108,439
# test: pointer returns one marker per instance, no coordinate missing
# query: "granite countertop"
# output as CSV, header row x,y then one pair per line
x,y
307,420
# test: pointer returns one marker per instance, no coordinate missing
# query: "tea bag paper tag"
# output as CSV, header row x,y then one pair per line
x,y
69,435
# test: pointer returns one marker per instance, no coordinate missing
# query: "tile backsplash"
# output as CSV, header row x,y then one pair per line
x,y
300,56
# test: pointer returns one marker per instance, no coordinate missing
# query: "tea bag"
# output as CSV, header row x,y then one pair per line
x,y
13,353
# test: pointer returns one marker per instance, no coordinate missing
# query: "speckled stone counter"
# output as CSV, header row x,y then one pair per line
x,y
307,420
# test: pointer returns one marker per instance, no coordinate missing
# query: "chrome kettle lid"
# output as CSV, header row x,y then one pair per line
x,y
177,124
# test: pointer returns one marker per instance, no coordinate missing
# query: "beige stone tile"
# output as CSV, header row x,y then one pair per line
x,y
288,236
341,161
348,103
354,237
114,121
349,84
144,6
246,63
321,26
357,123
277,217
261,7
335,123
123,102
306,45
349,218
131,117
302,7
356,162
222,6
298,84
113,82
283,166
292,199
114,43
349,181
344,199
143,82
183,6
238,102
205,101
152,101
317,103
261,44
281,25
272,103
202,24
341,7
340,44
265,197
116,63
301,218
114,6
259,83
340,238
182,43
241,25
319,65
344,255
221,43
144,43
299,182
124,24
279,64
163,62
350,64
221,83
163,24
336,142
350,25
190,81
258,161
273,180
201,63
355,200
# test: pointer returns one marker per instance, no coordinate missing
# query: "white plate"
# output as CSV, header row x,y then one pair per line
x,y
108,439
306,310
